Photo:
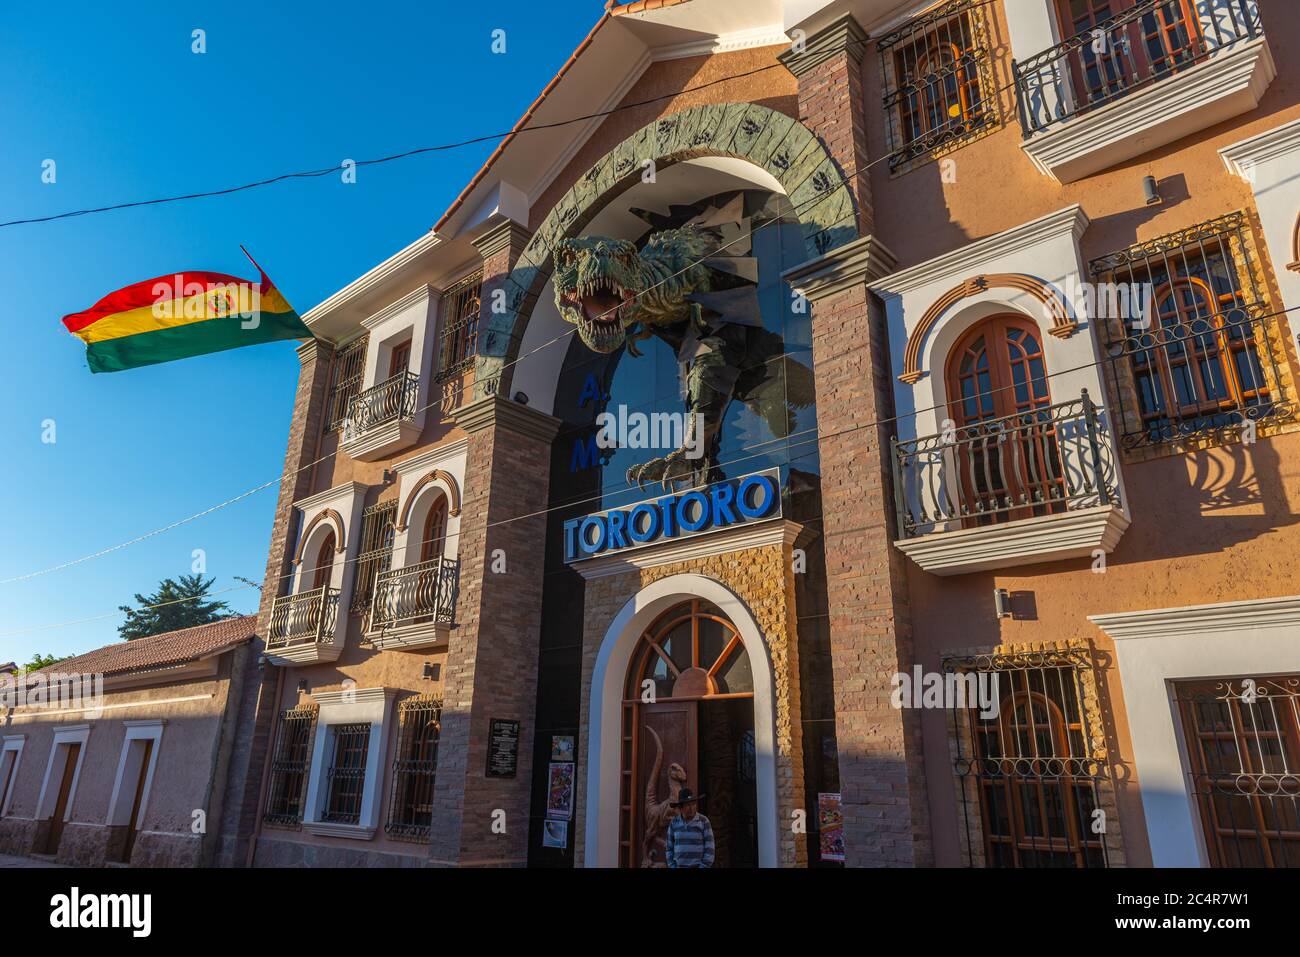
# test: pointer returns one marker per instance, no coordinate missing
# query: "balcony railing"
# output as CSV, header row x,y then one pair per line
x,y
391,401
306,618
420,593
1040,462
1148,42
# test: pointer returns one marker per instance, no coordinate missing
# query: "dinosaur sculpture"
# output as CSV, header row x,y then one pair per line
x,y
691,284
659,813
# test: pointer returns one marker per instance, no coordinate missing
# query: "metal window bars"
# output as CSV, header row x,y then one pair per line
x,y
346,778
289,766
931,81
378,529
1037,462
410,802
392,400
1242,738
1141,45
349,369
1032,784
1193,352
415,594
306,618
458,339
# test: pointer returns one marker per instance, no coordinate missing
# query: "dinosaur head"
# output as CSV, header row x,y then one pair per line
x,y
676,773
596,282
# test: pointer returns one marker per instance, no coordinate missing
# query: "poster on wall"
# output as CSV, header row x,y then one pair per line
x,y
830,824
559,790
561,747
555,834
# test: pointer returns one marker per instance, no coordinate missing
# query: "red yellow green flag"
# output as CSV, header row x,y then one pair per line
x,y
182,315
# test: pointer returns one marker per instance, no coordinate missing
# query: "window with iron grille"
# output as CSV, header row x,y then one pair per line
x,y
933,74
1189,334
1033,791
458,340
410,805
376,557
289,767
345,382
1243,749
345,781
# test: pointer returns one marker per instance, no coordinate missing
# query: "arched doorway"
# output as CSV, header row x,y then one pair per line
x,y
1007,450
688,720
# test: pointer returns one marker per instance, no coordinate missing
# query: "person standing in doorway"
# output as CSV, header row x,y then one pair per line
x,y
690,835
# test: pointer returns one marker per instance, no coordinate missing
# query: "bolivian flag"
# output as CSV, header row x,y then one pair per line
x,y
182,315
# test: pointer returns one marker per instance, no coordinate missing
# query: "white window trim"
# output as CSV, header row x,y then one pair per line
x,y
147,730
68,734
352,706
14,743
1156,648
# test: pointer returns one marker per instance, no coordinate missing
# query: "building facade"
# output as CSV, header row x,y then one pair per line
x,y
118,756
973,543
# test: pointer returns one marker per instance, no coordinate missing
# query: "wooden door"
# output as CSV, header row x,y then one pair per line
x,y
133,823
1006,448
400,359
61,805
667,759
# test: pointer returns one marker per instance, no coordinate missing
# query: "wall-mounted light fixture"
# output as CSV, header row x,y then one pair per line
x,y
302,686
521,398
431,671
389,476
1002,602
1151,191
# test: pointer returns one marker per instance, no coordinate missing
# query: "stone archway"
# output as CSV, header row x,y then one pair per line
x,y
772,141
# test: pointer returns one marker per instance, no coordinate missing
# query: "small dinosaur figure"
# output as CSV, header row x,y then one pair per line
x,y
659,813
693,286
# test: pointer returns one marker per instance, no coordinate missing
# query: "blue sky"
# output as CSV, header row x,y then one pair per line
x,y
128,112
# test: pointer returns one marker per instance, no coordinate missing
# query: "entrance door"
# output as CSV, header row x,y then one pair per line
x,y
669,760
688,712
133,823
73,752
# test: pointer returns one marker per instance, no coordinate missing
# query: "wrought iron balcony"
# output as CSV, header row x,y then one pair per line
x,y
1144,44
303,620
961,495
393,400
423,594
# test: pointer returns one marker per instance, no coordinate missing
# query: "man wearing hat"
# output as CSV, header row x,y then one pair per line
x,y
690,835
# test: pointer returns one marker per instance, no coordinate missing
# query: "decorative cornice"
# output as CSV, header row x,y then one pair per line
x,y
1221,618
453,496
374,277
723,541
753,38
354,696
315,350
862,261
493,411
1062,324
976,257
504,235
844,35
432,457
337,493
1270,145
420,293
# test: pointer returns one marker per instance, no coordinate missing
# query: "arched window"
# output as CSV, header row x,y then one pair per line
x,y
1005,443
691,651
324,562
1207,363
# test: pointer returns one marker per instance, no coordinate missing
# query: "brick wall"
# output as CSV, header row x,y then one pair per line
x,y
256,693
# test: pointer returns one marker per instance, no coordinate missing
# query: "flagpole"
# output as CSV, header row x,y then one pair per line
x,y
252,260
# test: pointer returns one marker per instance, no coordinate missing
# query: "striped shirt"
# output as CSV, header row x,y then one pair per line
x,y
690,843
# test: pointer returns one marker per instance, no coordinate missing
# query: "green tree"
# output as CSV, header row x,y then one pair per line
x,y
40,661
178,603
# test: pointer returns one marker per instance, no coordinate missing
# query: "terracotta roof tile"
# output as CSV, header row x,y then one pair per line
x,y
639,6
160,651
